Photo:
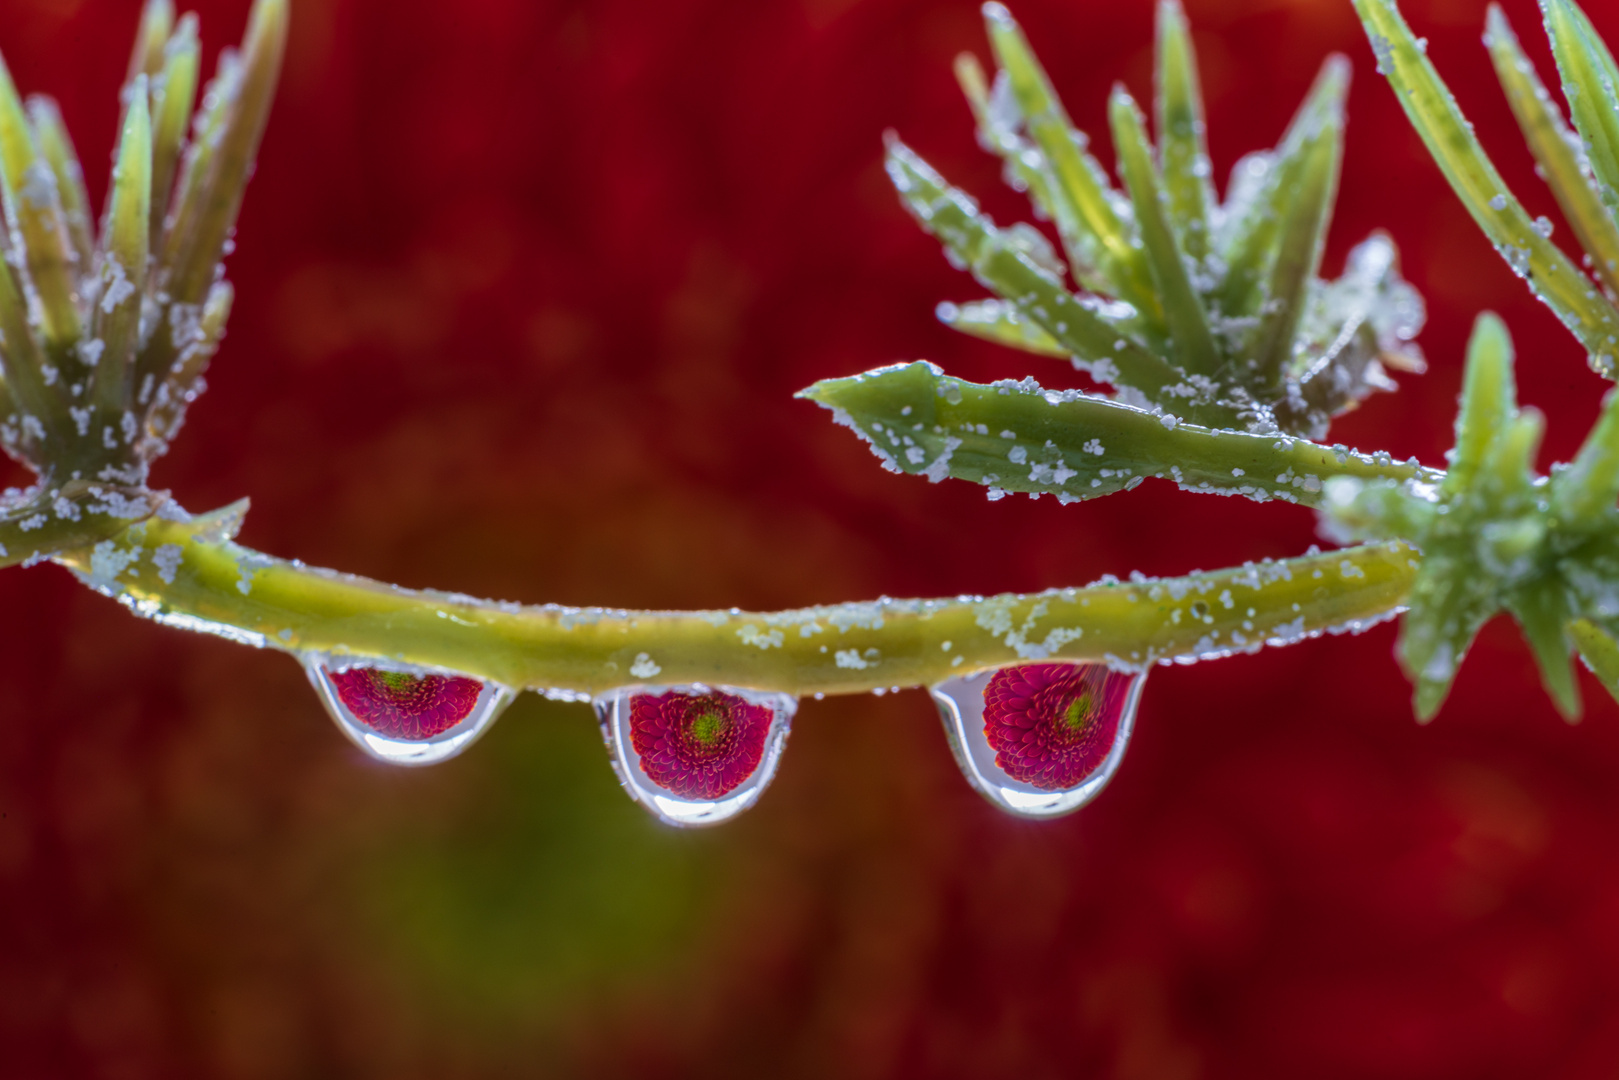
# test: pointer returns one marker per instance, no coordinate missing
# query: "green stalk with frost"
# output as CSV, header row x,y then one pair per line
x,y
1227,353
92,512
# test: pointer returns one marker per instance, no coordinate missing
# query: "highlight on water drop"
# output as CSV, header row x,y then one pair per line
x,y
1040,739
405,715
695,755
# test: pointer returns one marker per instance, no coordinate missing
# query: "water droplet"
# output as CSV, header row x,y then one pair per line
x,y
695,755
404,715
1040,739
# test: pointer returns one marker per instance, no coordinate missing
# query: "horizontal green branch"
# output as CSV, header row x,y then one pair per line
x,y
191,575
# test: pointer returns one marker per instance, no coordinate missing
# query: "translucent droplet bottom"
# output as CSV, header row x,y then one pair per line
x,y
695,755
405,715
1043,739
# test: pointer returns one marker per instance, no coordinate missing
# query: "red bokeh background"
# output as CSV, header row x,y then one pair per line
x,y
525,288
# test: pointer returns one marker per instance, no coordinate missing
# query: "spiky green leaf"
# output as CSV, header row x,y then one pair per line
x,y
1588,488
1591,84
1542,615
1552,277
1300,236
1599,651
1558,150
171,110
1194,346
242,93
1000,322
1183,153
117,315
36,207
1489,399
1250,243
1089,333
1079,180
57,149
146,57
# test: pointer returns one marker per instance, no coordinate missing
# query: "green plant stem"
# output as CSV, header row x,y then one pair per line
x,y
190,574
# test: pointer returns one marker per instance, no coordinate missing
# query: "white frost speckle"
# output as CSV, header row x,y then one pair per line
x,y
119,288
940,469
108,560
644,668
752,635
167,560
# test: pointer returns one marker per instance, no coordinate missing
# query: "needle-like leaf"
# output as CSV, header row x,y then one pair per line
x,y
35,207
1028,168
1589,486
1183,153
1558,150
1250,241
974,240
1489,399
57,149
999,321
41,409
1591,84
146,58
1552,277
207,196
244,96
1599,651
1079,180
1301,234
117,315
1195,350
1543,615
172,106
1447,609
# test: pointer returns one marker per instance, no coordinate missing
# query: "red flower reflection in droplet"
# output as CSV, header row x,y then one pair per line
x,y
698,746
404,706
1052,725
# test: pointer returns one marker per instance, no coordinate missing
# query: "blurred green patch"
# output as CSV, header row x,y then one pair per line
x,y
537,884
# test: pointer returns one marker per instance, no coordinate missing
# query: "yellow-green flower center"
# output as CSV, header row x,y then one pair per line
x,y
1078,713
708,727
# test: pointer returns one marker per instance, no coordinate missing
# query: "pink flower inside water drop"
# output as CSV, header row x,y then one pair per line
x,y
405,706
698,746
1051,725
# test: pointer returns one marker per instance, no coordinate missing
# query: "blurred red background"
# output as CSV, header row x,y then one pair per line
x,y
525,289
